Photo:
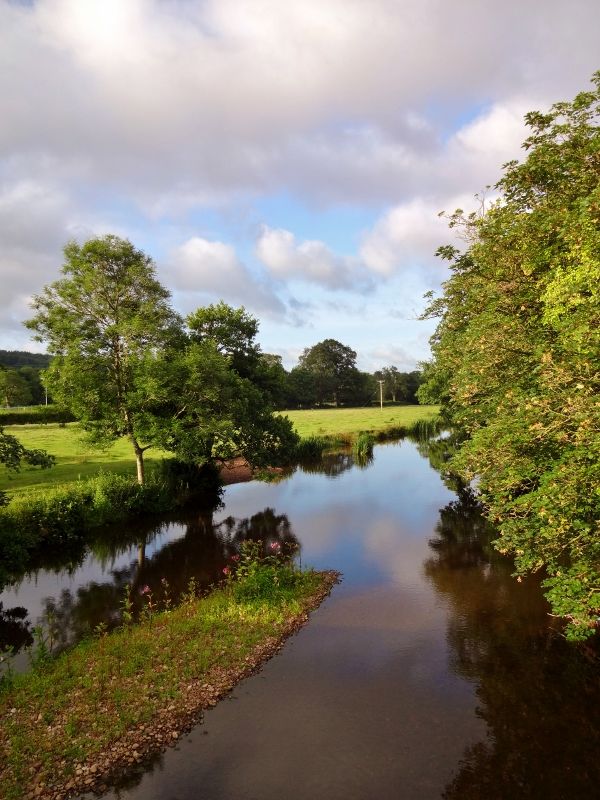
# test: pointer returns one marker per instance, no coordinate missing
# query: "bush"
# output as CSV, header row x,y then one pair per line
x,y
259,577
35,415
311,448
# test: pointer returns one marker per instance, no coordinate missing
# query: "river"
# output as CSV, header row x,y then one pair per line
x,y
429,672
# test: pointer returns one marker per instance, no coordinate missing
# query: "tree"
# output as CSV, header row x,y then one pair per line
x,y
300,388
223,406
516,355
14,388
110,328
233,332
333,366
33,378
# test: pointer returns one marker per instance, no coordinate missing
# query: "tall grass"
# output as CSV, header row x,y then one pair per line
x,y
363,448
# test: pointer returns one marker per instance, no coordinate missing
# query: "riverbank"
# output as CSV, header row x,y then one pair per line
x,y
77,723
77,461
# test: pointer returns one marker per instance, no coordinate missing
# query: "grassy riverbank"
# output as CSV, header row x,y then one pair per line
x,y
76,722
77,461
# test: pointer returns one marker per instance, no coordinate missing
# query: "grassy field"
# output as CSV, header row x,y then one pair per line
x,y
76,460
350,421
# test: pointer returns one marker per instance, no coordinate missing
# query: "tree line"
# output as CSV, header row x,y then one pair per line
x,y
325,375
21,378
517,356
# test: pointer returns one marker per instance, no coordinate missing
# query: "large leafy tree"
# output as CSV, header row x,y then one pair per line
x,y
110,328
333,366
223,406
516,355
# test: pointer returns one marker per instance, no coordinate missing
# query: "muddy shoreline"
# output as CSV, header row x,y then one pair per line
x,y
143,744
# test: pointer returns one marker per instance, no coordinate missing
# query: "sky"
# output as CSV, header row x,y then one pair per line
x,y
288,156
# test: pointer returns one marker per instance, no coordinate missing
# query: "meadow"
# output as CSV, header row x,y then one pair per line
x,y
347,422
76,460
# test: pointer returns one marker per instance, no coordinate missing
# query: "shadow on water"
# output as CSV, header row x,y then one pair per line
x,y
198,550
537,694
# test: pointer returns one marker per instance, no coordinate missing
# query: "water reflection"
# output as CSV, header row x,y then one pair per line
x,y
331,464
537,694
196,548
15,628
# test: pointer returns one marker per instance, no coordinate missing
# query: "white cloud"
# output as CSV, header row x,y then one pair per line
x,y
219,97
132,116
308,261
212,271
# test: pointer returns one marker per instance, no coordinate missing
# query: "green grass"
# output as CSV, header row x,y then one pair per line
x,y
347,422
78,461
75,460
70,710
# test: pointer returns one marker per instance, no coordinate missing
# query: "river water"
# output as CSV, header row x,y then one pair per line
x,y
428,673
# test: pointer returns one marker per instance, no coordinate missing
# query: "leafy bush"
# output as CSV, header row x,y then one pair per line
x,y
254,576
311,447
35,415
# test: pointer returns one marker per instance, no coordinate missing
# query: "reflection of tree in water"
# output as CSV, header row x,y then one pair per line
x,y
539,696
438,451
330,464
15,628
266,527
199,555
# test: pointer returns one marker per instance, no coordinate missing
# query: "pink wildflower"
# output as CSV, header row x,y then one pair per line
x,y
235,558
145,590
226,570
275,545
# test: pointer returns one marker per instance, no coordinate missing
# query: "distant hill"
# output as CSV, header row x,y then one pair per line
x,y
21,358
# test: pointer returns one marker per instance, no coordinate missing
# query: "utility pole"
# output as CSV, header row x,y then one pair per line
x,y
381,393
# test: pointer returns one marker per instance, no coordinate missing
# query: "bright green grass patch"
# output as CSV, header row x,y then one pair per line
x,y
347,422
75,459
70,709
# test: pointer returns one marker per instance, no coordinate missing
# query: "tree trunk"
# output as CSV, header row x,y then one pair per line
x,y
139,460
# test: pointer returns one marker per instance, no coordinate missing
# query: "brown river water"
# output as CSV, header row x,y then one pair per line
x,y
429,672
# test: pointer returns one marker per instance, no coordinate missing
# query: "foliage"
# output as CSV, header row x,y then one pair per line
x,y
108,324
223,406
517,356
333,367
23,358
14,388
37,414
399,386
301,389
363,448
255,576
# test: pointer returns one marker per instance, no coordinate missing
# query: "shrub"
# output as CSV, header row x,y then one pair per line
x,y
35,415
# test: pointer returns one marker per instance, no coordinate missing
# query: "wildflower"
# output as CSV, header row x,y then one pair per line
x,y
145,590
226,570
275,545
235,558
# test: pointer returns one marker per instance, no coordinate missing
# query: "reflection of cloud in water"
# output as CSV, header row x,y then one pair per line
x,y
398,554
